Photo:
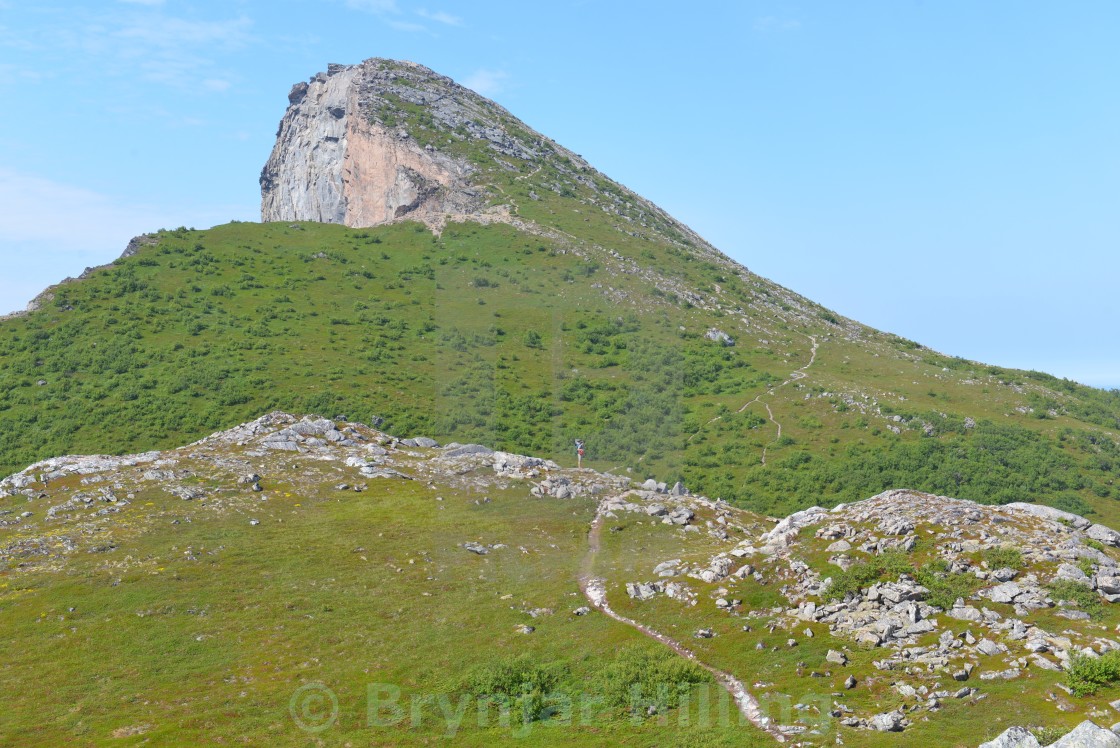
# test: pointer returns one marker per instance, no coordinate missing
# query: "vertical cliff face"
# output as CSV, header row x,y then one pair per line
x,y
303,178
341,157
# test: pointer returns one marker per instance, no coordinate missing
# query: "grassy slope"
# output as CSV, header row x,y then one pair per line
x,y
200,627
590,326
522,341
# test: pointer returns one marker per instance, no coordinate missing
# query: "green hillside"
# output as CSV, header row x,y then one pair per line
x,y
260,586
585,312
524,341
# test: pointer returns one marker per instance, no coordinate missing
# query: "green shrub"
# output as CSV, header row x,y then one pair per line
x,y
1076,592
1087,675
888,565
945,587
1003,557
519,683
644,677
1048,735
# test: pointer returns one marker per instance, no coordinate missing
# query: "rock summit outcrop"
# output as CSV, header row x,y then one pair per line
x,y
341,157
388,140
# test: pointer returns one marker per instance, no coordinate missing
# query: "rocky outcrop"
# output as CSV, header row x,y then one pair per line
x,y
1085,735
341,156
388,140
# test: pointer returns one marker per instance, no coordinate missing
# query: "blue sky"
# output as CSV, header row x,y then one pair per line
x,y
948,171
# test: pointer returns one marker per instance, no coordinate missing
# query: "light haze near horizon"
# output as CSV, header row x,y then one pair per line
x,y
946,171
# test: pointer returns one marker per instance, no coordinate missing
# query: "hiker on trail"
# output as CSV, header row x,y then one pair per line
x,y
579,452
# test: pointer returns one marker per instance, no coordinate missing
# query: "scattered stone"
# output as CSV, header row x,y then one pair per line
x,y
643,590
719,336
886,722
988,647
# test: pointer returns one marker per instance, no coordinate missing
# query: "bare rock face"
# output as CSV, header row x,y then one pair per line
x,y
343,156
303,178
387,140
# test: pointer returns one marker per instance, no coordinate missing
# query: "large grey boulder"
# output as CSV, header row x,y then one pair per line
x,y
462,450
1074,574
1013,737
1004,593
1105,535
719,336
1108,584
886,722
419,441
1048,512
1088,735
988,647
643,590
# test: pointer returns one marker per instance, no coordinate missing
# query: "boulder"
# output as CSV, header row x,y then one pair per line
x,y
643,590
1088,735
1073,574
1013,737
1004,593
988,647
719,336
886,722
1105,535
1048,512
463,450
681,516
964,612
667,568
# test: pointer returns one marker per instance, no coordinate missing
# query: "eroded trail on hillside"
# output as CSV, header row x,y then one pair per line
x,y
594,589
795,375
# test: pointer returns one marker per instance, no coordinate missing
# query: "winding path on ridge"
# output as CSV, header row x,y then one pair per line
x,y
793,377
594,589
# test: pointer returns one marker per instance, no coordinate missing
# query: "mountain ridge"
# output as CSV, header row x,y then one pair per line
x,y
579,311
357,122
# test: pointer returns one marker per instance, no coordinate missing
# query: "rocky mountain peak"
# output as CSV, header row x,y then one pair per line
x,y
347,153
388,140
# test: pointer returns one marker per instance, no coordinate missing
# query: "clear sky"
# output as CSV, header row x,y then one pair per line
x,y
945,170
